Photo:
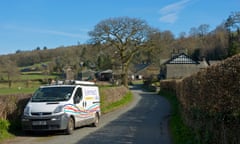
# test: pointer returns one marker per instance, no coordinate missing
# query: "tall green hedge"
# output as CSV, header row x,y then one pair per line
x,y
210,101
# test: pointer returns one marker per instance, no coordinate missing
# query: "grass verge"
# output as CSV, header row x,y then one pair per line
x,y
181,134
112,106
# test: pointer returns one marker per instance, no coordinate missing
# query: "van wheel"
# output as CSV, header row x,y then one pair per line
x,y
96,120
70,126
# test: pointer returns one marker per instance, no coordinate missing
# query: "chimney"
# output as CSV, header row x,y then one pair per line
x,y
182,50
174,53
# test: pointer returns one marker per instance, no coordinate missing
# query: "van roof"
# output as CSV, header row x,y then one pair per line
x,y
70,84
83,82
57,86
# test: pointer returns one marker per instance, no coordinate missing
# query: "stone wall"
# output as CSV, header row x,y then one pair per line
x,y
177,71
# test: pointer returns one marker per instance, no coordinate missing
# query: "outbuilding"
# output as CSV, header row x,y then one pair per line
x,y
179,66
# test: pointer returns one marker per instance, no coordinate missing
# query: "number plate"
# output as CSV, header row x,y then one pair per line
x,y
39,123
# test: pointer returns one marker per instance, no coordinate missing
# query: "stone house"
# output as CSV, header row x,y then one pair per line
x,y
145,70
105,75
179,66
69,73
87,75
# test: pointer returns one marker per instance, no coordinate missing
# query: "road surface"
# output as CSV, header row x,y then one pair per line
x,y
144,121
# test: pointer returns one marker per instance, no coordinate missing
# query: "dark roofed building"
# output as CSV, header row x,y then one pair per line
x,y
182,58
179,66
105,75
145,70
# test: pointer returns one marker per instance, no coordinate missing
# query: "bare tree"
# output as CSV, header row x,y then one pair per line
x,y
233,26
161,46
124,37
203,30
10,69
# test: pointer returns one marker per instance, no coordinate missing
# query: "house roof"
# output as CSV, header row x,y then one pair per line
x,y
106,71
181,58
140,67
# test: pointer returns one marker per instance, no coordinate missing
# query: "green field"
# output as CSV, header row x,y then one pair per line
x,y
19,87
27,82
7,91
36,76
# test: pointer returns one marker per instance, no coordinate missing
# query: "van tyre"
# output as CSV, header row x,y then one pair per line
x,y
96,120
70,126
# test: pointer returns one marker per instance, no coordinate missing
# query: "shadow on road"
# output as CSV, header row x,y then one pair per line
x,y
136,87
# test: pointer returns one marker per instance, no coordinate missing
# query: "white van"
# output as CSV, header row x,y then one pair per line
x,y
62,107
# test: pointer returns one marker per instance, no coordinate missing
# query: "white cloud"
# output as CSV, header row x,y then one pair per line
x,y
169,18
169,13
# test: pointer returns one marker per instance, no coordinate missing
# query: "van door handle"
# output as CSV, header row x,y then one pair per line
x,y
84,104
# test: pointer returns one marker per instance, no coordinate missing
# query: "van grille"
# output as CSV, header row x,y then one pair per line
x,y
41,113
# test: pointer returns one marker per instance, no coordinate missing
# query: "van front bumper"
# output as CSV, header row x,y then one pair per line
x,y
45,123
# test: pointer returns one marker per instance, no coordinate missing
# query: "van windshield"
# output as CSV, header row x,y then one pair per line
x,y
52,94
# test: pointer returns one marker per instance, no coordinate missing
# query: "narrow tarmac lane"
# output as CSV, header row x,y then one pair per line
x,y
146,123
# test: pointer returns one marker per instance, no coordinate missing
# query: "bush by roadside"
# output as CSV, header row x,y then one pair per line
x,y
4,126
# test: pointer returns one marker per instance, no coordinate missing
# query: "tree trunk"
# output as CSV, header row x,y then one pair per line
x,y
125,75
125,80
9,81
9,84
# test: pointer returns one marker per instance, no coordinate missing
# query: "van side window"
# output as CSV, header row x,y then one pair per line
x,y
78,96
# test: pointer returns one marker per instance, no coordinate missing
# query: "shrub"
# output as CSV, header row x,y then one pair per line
x,y
4,125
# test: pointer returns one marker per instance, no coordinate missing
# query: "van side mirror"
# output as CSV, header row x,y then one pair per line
x,y
76,99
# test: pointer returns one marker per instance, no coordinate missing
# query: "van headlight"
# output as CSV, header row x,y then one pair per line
x,y
58,109
26,111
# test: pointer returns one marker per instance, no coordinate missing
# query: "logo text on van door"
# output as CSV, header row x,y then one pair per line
x,y
91,92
